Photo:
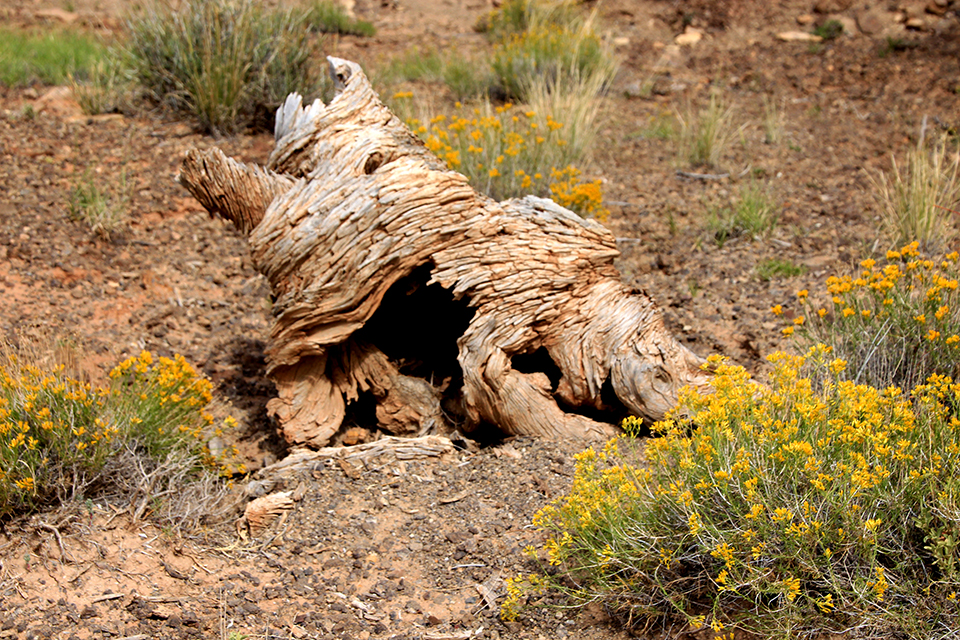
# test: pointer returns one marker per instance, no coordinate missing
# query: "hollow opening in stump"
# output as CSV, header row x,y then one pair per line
x,y
417,326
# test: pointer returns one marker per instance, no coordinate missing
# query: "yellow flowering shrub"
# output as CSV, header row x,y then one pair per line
x,y
895,321
510,151
57,433
792,508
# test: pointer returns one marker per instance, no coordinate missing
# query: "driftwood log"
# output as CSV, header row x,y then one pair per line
x,y
404,295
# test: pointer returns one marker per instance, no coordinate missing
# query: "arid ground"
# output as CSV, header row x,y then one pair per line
x,y
420,549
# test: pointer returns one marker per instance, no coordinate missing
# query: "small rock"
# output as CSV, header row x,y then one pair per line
x,y
59,101
849,24
805,19
918,24
621,41
689,37
798,36
937,7
870,22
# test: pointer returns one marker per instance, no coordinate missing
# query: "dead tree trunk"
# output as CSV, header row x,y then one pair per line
x,y
395,281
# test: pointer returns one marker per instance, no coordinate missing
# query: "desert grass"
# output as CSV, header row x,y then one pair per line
x,y
918,199
753,215
230,64
706,133
104,211
327,16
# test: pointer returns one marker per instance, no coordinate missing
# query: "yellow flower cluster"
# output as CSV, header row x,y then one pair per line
x,y
904,312
791,489
53,426
508,152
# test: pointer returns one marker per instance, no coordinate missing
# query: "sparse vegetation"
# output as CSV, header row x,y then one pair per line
x,y
778,511
829,30
230,64
773,121
660,127
559,57
779,268
705,133
752,215
107,85
105,212
918,199
50,57
465,77
326,16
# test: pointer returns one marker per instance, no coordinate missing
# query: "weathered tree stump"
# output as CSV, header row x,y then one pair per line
x,y
395,282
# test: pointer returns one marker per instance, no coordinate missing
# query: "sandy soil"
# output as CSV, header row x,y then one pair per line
x,y
414,549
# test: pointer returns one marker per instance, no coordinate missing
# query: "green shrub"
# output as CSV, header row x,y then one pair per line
x,y
326,16
61,438
753,215
895,323
517,16
786,510
508,152
230,63
48,58
917,199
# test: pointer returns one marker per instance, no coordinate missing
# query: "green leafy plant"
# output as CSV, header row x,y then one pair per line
x,y
705,133
917,199
772,268
784,510
103,211
752,215
230,63
895,323
327,16
62,439
46,57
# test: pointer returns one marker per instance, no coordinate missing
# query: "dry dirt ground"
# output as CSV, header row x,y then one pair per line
x,y
418,549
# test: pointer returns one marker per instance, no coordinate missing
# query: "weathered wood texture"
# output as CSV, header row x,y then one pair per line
x,y
351,202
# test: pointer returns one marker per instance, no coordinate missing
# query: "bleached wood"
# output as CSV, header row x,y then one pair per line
x,y
356,203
